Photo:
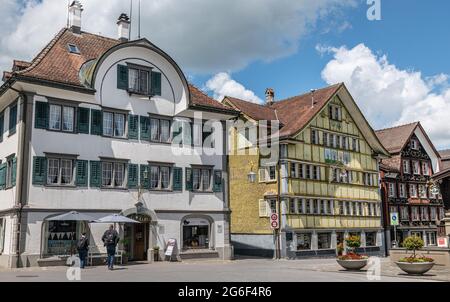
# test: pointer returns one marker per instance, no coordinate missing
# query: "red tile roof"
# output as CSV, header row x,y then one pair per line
x,y
394,139
293,113
56,64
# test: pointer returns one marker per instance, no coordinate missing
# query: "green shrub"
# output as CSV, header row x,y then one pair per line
x,y
353,242
413,244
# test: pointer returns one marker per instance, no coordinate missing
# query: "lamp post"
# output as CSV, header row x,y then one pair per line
x,y
251,176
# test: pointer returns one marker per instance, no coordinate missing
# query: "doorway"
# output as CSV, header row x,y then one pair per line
x,y
140,242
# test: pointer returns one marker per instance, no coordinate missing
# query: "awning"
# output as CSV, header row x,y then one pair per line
x,y
72,216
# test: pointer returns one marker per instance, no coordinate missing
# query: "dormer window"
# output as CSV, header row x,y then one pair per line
x,y
137,79
335,112
73,49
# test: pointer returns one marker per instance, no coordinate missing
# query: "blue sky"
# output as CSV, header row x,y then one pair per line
x,y
413,33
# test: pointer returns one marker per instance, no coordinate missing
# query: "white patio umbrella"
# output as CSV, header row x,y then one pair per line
x,y
72,216
116,218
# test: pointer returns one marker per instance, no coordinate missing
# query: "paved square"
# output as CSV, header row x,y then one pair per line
x,y
241,270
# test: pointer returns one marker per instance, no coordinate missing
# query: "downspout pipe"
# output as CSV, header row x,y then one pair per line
x,y
19,184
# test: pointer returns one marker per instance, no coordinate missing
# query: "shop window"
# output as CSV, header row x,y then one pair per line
x,y
303,241
431,238
324,241
61,237
371,239
195,234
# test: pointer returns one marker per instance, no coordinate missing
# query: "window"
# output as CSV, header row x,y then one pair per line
x,y
68,118
406,166
309,207
347,208
404,213
113,124
391,190
113,174
55,117
425,168
415,214
300,206
273,206
317,207
326,141
303,241
413,191
62,118
323,241
341,207
402,190
9,173
360,209
314,137
73,49
294,170
431,238
59,171
441,213
368,179
424,215
416,167
335,112
292,206
160,130
414,144
433,214
138,81
369,209
355,145
371,239
160,177
422,191
201,178
12,119
267,174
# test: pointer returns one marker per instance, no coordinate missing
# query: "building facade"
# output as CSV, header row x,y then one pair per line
x,y
323,182
105,126
407,185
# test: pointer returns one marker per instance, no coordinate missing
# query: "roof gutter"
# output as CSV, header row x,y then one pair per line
x,y
213,109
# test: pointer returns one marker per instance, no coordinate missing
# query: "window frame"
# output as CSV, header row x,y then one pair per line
x,y
140,70
59,175
61,117
201,188
113,124
113,174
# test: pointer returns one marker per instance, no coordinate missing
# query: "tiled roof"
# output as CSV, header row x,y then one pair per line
x,y
445,154
293,113
394,139
392,164
56,64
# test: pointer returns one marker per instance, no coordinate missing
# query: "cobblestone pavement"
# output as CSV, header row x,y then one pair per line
x,y
240,270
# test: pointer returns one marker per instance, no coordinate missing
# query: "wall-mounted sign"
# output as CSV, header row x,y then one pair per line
x,y
394,219
442,242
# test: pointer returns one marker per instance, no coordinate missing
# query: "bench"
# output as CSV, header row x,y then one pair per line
x,y
99,255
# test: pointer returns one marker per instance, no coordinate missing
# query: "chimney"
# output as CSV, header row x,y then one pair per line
x,y
74,23
123,28
270,96
313,101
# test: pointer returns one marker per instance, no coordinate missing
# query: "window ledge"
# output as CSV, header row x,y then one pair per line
x,y
60,186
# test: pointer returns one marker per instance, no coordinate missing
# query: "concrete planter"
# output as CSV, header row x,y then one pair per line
x,y
415,268
353,265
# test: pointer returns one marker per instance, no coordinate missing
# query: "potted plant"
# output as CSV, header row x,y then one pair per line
x,y
340,249
413,264
125,255
352,260
156,253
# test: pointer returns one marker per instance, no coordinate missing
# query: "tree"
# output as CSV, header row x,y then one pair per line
x,y
413,243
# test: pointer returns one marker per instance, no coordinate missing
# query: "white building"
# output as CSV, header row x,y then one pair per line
x,y
87,126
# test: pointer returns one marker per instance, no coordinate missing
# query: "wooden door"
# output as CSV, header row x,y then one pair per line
x,y
139,242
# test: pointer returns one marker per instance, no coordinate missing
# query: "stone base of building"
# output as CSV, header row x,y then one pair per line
x,y
253,245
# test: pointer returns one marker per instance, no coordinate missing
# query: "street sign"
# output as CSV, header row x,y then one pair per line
x,y
442,242
274,221
394,219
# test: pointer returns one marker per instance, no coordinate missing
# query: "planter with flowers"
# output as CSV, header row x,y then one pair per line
x,y
352,260
415,265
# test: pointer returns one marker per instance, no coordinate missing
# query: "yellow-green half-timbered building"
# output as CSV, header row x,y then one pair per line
x,y
324,182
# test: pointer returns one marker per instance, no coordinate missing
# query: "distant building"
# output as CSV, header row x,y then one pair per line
x,y
323,184
443,177
406,184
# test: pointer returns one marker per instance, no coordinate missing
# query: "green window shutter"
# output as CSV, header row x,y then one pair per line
x,y
144,181
82,173
156,83
12,119
133,126
83,120
41,115
122,77
96,174
2,123
96,122
189,183
2,176
218,182
178,179
14,172
39,170
132,176
145,128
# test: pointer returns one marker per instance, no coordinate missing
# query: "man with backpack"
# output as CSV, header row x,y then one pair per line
x,y
83,247
110,239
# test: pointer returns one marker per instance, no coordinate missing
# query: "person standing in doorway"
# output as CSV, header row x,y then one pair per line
x,y
83,248
110,239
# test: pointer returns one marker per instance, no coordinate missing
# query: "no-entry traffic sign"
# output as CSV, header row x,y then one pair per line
x,y
274,221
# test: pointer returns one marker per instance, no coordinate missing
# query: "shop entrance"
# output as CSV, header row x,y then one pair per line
x,y
136,238
196,234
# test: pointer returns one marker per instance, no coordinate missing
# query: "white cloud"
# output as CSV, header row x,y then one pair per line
x,y
389,95
223,85
202,35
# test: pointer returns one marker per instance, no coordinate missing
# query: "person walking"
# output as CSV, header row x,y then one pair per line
x,y
83,248
110,239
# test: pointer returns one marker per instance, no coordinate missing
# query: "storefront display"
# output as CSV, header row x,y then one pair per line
x,y
324,241
196,234
303,242
62,237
